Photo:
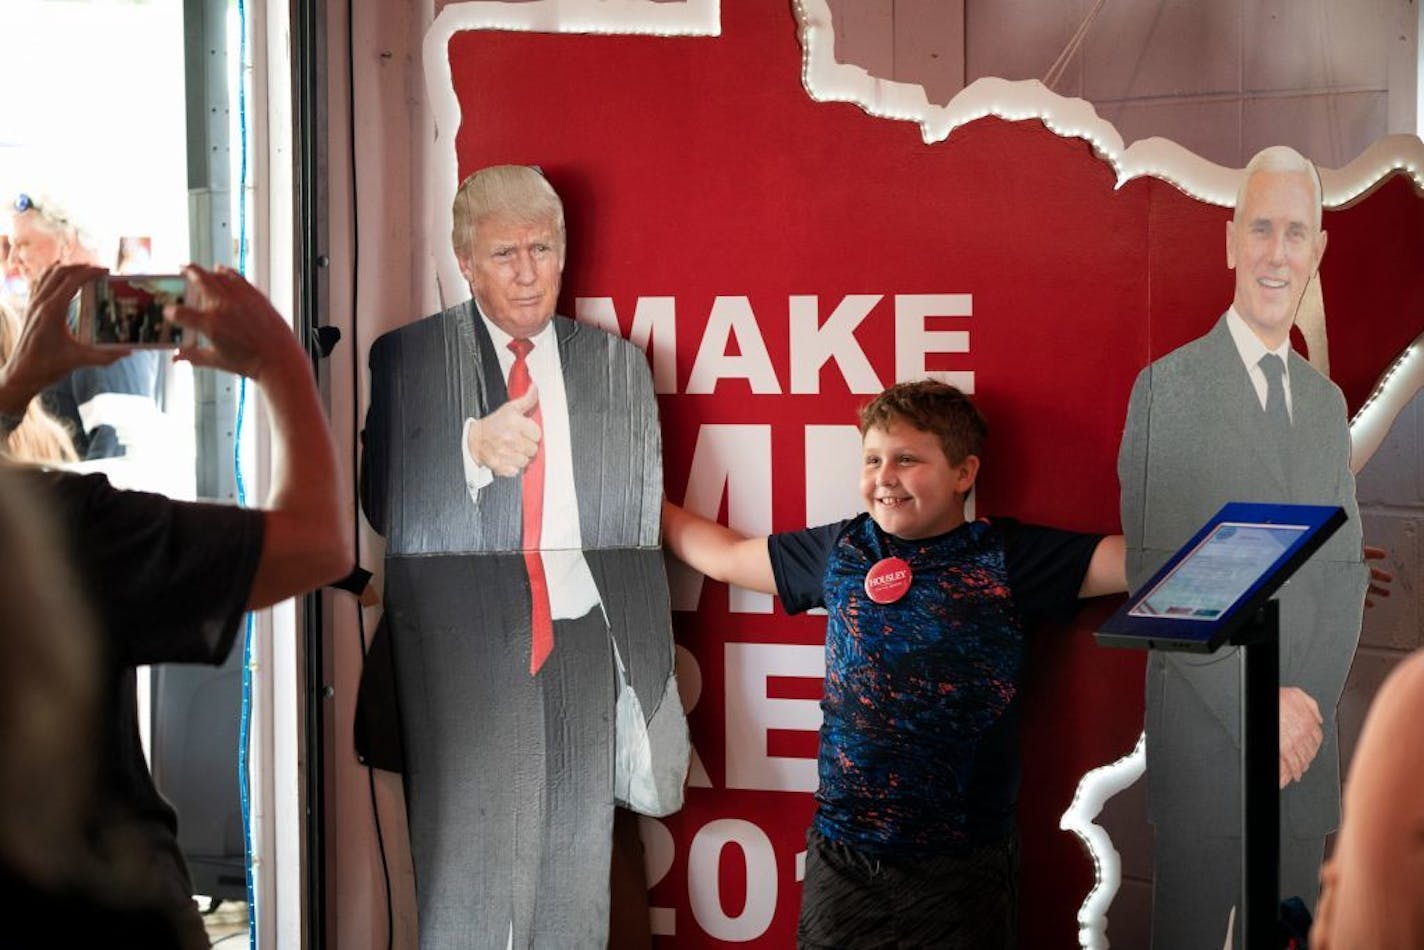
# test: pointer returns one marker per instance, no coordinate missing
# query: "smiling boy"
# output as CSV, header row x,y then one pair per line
x,y
914,841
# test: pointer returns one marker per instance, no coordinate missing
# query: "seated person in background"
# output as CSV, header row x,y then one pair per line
x,y
39,437
169,581
914,837
97,403
1372,894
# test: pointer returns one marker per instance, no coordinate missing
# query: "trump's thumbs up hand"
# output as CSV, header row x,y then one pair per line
x,y
505,440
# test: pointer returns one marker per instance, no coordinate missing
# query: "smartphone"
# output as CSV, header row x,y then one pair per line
x,y
127,310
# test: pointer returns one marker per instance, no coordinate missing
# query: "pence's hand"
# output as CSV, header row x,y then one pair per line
x,y
1301,734
1380,579
505,440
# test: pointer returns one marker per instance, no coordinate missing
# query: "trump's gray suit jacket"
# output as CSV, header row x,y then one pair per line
x,y
428,377
1196,439
510,778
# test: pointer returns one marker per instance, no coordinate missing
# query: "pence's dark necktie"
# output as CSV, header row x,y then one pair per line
x,y
541,620
1277,418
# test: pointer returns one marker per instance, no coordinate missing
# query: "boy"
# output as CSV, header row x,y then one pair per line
x,y
913,843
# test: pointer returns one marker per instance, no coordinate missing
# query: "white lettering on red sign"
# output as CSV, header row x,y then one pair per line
x,y
914,341
732,317
704,890
751,713
813,343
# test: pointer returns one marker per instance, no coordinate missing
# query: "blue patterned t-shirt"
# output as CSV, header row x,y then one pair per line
x,y
919,749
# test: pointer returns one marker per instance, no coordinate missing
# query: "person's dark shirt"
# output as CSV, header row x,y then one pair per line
x,y
78,916
919,740
166,582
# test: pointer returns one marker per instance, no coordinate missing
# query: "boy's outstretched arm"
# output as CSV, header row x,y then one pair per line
x,y
1107,571
718,551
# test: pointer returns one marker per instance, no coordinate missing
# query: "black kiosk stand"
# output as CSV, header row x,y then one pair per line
x,y
1216,591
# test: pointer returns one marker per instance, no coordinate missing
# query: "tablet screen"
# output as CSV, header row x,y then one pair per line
x,y
1221,568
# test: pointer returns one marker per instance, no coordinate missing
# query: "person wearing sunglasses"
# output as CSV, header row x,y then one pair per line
x,y
42,234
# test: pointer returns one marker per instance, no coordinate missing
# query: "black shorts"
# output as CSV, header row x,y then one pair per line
x,y
852,900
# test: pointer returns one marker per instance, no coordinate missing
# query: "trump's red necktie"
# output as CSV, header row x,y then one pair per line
x,y
541,619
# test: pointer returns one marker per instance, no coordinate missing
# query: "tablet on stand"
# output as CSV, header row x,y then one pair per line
x,y
1216,591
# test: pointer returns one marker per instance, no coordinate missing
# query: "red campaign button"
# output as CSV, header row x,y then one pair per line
x,y
888,580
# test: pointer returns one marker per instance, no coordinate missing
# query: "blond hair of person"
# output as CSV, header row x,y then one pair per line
x,y
40,438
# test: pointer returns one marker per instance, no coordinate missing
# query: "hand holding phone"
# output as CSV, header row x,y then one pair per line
x,y
47,349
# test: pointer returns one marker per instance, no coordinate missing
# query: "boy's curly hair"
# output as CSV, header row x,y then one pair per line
x,y
930,406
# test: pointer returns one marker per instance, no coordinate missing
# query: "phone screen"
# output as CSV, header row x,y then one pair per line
x,y
127,310
1218,571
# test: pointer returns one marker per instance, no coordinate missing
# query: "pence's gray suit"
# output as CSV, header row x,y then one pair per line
x,y
510,778
1195,439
